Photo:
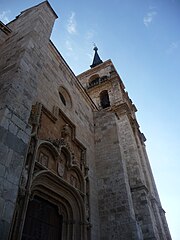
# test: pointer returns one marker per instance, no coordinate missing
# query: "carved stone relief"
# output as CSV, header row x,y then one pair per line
x,y
57,132
23,181
43,159
66,132
73,181
62,165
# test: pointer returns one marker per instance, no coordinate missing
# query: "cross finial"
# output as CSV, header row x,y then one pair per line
x,y
95,47
96,60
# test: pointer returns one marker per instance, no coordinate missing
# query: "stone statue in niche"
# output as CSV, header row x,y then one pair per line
x,y
66,133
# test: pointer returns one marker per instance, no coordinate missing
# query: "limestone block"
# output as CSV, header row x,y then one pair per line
x,y
8,211
4,229
4,122
22,135
1,205
3,153
12,128
2,170
9,191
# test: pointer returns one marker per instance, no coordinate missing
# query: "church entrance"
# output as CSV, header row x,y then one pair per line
x,y
43,221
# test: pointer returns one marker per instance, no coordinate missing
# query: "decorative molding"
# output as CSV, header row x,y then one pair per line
x,y
34,118
139,187
4,28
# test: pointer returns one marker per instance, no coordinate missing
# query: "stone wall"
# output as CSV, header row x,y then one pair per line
x,y
20,64
34,71
117,217
130,151
145,198
124,201
54,76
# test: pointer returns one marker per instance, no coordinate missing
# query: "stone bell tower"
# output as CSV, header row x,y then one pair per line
x,y
103,83
129,205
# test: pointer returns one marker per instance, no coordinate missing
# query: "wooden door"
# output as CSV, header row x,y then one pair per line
x,y
42,221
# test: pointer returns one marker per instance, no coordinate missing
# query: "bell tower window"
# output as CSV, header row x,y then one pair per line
x,y
104,99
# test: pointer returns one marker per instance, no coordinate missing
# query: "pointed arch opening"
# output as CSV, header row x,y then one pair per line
x,y
43,221
94,80
104,99
68,207
47,155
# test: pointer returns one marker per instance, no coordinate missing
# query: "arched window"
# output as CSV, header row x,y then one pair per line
x,y
62,98
94,80
104,99
47,156
65,97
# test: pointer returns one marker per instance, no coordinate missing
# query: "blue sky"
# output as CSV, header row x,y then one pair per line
x,y
142,38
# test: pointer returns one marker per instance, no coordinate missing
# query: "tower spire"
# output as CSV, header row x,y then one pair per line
x,y
96,60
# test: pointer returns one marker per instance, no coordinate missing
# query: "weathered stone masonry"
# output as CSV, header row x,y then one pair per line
x,y
73,163
121,162
21,63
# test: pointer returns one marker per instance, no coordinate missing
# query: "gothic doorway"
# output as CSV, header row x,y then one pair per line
x,y
43,221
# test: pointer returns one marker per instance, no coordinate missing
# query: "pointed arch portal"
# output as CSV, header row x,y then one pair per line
x,y
43,222
55,211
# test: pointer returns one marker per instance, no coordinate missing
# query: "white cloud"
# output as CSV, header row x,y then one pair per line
x,y
172,47
68,45
71,26
89,34
149,18
4,16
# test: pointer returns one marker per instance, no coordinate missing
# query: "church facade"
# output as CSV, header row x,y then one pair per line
x,y
73,163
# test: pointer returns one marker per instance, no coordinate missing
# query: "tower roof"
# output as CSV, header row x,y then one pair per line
x,y
96,60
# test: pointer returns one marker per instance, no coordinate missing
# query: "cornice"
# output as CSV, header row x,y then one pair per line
x,y
121,109
4,28
94,70
139,187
